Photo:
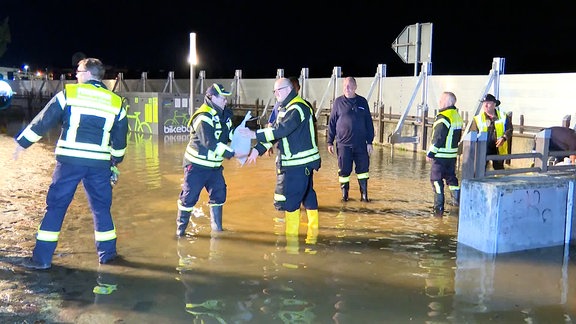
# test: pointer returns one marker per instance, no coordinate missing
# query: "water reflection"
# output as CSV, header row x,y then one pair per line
x,y
387,261
209,295
522,284
146,145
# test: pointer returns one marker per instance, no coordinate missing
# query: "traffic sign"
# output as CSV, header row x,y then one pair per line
x,y
414,43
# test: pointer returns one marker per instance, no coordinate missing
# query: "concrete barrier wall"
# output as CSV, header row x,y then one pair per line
x,y
544,99
515,213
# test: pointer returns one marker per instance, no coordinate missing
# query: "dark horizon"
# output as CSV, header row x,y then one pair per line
x,y
257,39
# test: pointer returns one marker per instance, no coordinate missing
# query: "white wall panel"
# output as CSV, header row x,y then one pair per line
x,y
543,99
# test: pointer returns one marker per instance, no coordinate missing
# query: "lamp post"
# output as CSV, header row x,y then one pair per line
x,y
192,60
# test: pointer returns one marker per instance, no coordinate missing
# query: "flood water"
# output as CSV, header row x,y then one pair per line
x,y
387,261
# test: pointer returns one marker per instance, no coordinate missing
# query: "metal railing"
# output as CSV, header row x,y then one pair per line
x,y
474,158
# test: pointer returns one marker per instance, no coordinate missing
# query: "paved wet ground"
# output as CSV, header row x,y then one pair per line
x,y
387,261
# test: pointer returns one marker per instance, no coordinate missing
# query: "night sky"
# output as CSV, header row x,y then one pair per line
x,y
259,37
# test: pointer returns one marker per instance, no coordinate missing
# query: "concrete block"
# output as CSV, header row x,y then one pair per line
x,y
513,213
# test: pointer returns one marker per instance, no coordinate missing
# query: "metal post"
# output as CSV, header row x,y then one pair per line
x,y
498,67
201,80
118,82
337,74
382,74
143,79
62,82
542,147
417,52
192,59
303,83
469,155
481,151
426,67
237,78
494,78
170,80
279,73
566,121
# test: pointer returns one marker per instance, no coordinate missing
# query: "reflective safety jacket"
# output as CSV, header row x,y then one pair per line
x,y
295,134
446,134
211,132
499,127
94,125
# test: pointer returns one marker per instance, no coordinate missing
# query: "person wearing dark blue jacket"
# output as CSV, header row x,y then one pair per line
x,y
208,147
350,125
298,157
92,141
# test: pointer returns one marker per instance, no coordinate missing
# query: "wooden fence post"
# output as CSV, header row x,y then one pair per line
x,y
381,124
256,108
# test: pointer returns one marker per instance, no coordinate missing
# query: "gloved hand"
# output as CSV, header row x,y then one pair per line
x,y
19,149
114,175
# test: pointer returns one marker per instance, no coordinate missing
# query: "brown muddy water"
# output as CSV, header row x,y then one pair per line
x,y
387,261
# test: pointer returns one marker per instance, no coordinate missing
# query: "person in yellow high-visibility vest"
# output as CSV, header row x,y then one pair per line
x,y
498,125
443,151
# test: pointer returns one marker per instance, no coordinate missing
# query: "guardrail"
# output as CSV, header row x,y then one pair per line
x,y
474,157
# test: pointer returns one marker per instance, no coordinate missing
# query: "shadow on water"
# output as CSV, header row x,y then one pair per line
x,y
387,261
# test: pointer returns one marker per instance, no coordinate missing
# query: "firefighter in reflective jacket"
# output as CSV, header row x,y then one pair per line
x,y
205,152
297,158
93,138
446,134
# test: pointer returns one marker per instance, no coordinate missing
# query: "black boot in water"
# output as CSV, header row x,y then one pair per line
x,y
345,187
438,205
363,189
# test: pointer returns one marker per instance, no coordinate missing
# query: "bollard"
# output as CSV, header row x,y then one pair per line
x,y
566,121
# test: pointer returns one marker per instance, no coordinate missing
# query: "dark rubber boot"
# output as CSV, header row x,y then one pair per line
x,y
438,205
363,190
345,187
216,218
455,197
182,222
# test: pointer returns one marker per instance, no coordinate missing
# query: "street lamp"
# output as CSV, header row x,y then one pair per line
x,y
192,59
26,68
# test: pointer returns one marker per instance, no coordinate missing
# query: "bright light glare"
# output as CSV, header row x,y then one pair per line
x,y
192,56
